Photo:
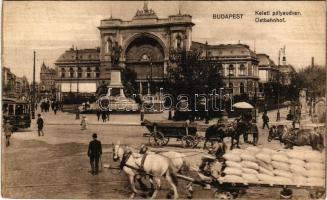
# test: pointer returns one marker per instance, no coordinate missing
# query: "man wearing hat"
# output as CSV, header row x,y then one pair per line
x,y
94,153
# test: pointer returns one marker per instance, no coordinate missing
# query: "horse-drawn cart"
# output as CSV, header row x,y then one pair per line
x,y
162,131
231,190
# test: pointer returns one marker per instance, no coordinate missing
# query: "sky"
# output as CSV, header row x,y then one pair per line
x,y
50,28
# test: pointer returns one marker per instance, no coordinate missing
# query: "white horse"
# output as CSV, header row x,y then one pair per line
x,y
154,165
178,161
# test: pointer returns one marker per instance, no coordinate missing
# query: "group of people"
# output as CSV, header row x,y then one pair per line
x,y
46,104
104,114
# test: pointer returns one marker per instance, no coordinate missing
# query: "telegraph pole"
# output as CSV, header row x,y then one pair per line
x,y
77,87
33,88
278,83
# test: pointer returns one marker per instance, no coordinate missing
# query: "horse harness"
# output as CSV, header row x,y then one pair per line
x,y
140,168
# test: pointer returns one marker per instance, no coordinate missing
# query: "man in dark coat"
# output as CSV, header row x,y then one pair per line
x,y
265,120
40,124
94,153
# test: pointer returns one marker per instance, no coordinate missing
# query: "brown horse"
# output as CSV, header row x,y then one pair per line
x,y
234,130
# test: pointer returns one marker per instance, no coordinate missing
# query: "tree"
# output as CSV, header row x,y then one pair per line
x,y
312,78
191,74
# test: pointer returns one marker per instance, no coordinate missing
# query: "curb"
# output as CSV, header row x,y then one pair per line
x,y
113,124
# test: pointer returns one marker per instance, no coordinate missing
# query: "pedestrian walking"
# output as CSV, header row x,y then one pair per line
x,y
7,129
55,108
98,114
83,123
94,153
40,124
108,114
104,116
265,120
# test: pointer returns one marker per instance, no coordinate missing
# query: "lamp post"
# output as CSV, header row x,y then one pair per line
x,y
77,87
33,89
278,85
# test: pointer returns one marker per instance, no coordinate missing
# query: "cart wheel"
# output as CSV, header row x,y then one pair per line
x,y
223,195
158,139
187,141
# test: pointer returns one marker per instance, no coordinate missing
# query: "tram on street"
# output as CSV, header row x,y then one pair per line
x,y
17,112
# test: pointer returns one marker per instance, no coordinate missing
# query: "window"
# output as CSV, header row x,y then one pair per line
x,y
80,71
71,72
250,70
97,74
231,70
242,70
242,88
88,75
220,70
62,74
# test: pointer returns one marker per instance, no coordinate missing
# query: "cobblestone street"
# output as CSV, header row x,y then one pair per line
x,y
56,165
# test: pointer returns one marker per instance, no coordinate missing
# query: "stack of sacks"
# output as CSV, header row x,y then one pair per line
x,y
308,166
263,165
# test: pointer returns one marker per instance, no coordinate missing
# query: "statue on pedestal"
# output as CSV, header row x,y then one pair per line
x,y
115,54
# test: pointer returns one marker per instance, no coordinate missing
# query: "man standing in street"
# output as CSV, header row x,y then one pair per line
x,y
94,153
40,124
7,129
265,120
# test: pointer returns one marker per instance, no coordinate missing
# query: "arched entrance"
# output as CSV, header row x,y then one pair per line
x,y
145,56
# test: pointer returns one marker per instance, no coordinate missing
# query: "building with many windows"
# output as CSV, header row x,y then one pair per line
x,y
287,73
14,86
268,70
237,63
78,71
47,80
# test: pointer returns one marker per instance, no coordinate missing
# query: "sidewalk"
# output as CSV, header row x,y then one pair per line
x,y
64,118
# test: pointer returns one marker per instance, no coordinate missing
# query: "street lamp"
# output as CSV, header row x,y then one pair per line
x,y
33,97
278,85
77,87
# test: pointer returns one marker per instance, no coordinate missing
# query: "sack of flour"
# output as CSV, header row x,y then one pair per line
x,y
249,171
265,165
295,154
314,166
280,165
298,162
248,157
298,169
251,165
268,151
315,173
283,180
233,164
236,151
251,178
283,173
253,150
232,178
233,171
316,181
266,178
232,157
313,156
264,157
280,158
299,180
265,171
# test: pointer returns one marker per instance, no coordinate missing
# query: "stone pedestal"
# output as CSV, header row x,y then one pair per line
x,y
116,87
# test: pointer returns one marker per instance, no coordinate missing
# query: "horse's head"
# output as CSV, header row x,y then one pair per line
x,y
117,151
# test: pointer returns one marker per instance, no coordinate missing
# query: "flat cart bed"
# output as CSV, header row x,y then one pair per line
x,y
162,131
